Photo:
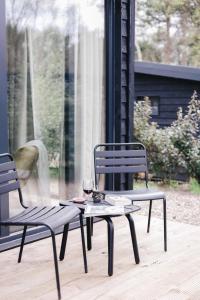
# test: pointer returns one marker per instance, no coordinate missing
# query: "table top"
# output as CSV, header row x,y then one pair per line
x,y
128,208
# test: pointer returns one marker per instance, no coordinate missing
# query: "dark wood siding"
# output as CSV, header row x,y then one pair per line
x,y
127,78
120,26
124,70
173,93
127,42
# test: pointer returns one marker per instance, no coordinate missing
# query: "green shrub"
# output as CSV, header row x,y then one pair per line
x,y
194,186
173,147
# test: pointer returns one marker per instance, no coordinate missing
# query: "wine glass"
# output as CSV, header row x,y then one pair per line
x,y
88,185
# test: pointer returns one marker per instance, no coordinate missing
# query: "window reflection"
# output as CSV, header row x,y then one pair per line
x,y
56,90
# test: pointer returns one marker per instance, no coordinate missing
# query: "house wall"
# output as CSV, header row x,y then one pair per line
x,y
173,93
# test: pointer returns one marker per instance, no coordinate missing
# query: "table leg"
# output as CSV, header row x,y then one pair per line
x,y
92,223
134,238
89,239
110,227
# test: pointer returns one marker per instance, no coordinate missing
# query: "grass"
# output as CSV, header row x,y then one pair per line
x,y
141,184
174,184
194,186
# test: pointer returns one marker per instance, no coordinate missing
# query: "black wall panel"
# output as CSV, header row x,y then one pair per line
x,y
173,93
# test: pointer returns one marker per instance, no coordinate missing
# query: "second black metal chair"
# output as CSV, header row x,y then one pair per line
x,y
128,158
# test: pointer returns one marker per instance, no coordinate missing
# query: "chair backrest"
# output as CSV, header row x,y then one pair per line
x,y
120,158
8,176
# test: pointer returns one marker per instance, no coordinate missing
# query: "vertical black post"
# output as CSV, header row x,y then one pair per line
x,y
120,32
4,206
118,75
110,78
113,70
131,72
113,79
110,70
131,81
118,82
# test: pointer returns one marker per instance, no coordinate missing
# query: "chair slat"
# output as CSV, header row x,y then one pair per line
x,y
120,161
45,213
126,169
6,188
51,215
121,153
33,214
40,215
57,216
28,213
7,166
8,176
24,213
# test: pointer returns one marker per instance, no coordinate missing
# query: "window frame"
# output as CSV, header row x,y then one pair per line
x,y
151,99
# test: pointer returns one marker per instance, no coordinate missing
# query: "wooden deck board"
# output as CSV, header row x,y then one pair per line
x,y
160,275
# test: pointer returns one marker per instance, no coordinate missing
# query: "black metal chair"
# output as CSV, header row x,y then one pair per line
x,y
50,217
128,158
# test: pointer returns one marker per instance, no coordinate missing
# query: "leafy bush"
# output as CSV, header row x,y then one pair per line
x,y
172,148
194,186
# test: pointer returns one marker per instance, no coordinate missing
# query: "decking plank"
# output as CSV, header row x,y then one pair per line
x,y
160,275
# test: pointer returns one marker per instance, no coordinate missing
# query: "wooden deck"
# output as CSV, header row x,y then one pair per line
x,y
166,276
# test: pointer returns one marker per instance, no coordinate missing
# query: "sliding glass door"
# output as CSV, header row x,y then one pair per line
x,y
55,51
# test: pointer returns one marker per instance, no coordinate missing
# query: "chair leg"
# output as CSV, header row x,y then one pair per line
x,y
149,217
110,245
56,264
64,241
165,224
83,243
134,238
89,240
22,244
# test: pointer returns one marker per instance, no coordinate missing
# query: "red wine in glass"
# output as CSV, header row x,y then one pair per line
x,y
88,186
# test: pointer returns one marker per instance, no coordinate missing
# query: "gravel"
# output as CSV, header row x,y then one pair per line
x,y
182,206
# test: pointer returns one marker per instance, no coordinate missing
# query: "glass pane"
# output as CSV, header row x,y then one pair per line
x,y
55,94
168,32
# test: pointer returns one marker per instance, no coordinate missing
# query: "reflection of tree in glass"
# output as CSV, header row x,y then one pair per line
x,y
168,31
42,36
43,89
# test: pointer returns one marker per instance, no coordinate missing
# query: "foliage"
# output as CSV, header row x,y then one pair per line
x,y
173,147
168,31
194,186
38,92
186,136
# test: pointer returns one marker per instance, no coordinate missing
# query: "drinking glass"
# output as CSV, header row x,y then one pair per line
x,y
88,185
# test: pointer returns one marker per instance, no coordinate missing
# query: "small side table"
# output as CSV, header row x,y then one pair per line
x,y
108,218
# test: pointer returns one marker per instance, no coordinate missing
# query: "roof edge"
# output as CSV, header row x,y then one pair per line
x,y
164,70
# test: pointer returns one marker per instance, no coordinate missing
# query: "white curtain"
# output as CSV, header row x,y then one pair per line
x,y
89,100
47,94
55,40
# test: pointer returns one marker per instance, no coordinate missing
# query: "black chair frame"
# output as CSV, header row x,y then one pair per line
x,y
127,158
50,217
